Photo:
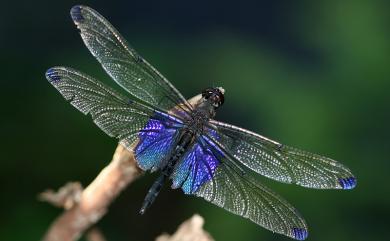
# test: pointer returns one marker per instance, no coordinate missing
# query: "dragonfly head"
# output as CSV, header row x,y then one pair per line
x,y
214,95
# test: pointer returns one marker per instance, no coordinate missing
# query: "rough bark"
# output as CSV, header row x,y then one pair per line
x,y
83,208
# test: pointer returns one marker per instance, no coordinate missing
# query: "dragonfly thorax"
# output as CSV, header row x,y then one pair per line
x,y
206,104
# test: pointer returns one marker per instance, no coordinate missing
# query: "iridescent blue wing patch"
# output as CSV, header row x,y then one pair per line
x,y
156,141
196,168
116,115
280,162
123,63
220,181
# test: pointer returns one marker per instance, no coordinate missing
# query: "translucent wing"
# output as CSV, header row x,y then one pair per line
x,y
115,114
123,63
280,162
206,172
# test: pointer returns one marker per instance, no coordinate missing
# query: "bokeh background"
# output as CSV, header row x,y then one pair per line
x,y
311,74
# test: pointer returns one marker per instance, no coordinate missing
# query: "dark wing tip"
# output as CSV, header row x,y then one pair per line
x,y
300,233
75,13
52,75
348,183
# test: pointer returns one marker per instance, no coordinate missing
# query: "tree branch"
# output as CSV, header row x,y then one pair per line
x,y
190,230
83,208
94,200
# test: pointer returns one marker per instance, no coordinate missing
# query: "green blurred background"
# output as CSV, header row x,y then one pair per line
x,y
311,74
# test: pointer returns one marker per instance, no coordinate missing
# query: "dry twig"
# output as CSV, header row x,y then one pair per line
x,y
190,230
93,202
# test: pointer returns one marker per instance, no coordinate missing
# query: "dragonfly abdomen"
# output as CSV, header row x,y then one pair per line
x,y
186,139
152,193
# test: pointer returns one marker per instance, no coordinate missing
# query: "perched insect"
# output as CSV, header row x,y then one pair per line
x,y
180,138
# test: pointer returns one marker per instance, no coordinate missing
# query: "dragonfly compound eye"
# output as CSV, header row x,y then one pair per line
x,y
207,93
214,95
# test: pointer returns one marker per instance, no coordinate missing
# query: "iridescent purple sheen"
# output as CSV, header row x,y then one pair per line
x,y
183,168
155,143
300,233
196,168
76,14
198,165
52,75
347,183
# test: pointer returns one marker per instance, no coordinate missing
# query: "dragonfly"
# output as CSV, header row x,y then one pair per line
x,y
181,140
